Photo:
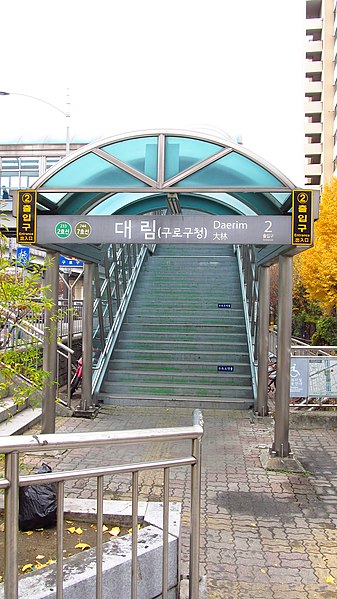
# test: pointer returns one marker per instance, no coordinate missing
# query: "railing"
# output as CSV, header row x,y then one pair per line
x,y
313,373
13,446
250,294
121,269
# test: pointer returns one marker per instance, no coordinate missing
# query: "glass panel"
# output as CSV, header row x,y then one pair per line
x,y
116,202
183,152
140,153
233,202
281,197
92,171
232,170
54,197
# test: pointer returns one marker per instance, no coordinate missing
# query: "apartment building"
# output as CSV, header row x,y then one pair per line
x,y
320,92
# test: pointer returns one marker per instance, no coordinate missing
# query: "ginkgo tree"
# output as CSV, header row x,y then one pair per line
x,y
317,266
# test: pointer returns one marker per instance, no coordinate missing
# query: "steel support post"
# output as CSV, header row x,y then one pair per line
x,y
263,341
50,344
88,302
12,525
281,447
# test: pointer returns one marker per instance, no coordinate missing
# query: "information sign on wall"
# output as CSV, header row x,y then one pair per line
x,y
302,217
26,216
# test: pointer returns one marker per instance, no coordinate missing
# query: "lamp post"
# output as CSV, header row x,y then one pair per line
x,y
66,113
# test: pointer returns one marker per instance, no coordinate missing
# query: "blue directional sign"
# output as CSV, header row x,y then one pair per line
x,y
70,262
22,255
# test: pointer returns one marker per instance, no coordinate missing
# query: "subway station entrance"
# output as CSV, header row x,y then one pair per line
x,y
135,208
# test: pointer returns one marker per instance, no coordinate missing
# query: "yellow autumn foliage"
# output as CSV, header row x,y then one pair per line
x,y
318,265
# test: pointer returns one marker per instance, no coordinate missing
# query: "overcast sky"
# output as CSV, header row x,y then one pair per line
x,y
221,65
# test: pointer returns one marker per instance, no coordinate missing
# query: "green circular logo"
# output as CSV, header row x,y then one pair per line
x,y
63,229
82,230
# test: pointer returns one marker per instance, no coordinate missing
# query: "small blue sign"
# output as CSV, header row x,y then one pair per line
x,y
23,255
70,262
225,368
224,305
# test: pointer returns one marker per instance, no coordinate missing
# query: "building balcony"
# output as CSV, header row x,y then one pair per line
x,y
312,170
312,128
313,149
313,66
313,25
313,87
313,47
313,107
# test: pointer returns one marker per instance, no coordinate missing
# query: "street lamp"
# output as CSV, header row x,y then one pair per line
x,y
65,113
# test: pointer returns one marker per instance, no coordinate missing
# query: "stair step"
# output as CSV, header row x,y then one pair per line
x,y
211,403
8,408
202,367
194,336
22,422
237,391
218,357
178,345
198,378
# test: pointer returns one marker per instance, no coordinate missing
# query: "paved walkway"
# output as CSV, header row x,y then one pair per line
x,y
264,534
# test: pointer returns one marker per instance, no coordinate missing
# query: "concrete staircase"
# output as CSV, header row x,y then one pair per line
x,y
183,340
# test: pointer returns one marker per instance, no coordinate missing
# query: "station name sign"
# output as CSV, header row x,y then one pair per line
x,y
203,228
26,216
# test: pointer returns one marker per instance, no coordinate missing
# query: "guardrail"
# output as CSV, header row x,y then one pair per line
x,y
13,446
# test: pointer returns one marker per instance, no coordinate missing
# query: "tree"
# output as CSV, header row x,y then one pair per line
x,y
22,299
318,265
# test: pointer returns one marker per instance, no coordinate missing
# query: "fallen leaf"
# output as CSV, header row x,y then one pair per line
x,y
330,580
26,567
1,578
130,529
69,522
78,531
253,524
72,529
28,533
2,527
263,571
50,562
39,529
82,546
114,531
39,557
105,528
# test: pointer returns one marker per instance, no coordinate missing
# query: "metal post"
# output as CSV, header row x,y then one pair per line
x,y
281,446
88,300
11,525
50,344
195,513
263,338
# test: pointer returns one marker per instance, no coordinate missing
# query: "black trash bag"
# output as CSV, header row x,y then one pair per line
x,y
38,504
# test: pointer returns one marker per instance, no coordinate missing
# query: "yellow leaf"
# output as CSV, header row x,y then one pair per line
x,y
72,529
82,546
252,524
78,531
50,562
39,529
68,521
105,528
330,580
263,571
26,567
38,566
130,529
1,578
114,531
28,533
39,557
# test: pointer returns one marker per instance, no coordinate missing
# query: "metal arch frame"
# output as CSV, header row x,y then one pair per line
x,y
161,184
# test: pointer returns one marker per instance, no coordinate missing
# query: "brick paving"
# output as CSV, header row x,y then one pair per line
x,y
264,534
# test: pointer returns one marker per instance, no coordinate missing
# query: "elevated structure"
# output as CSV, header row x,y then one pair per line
x,y
175,172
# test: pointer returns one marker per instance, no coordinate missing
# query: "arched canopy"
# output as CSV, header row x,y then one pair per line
x,y
136,173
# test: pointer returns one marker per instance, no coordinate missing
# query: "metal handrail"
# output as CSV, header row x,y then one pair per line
x,y
14,445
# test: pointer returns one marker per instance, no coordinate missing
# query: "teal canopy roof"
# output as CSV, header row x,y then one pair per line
x,y
137,173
